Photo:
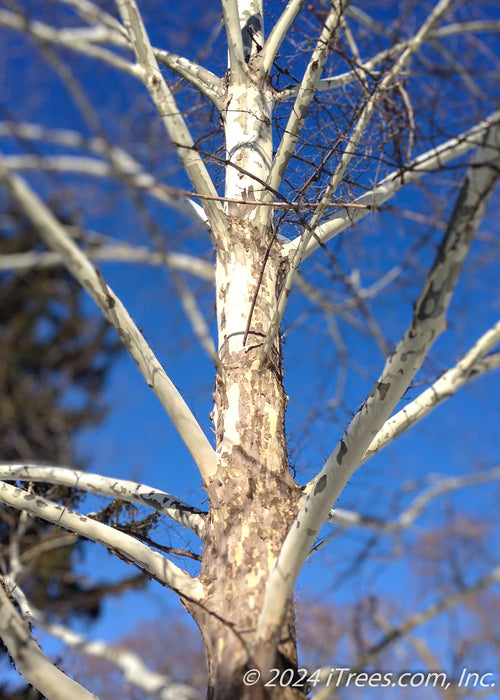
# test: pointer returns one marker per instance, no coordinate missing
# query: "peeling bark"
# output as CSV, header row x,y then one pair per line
x,y
253,497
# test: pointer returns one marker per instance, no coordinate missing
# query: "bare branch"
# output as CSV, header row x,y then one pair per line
x,y
74,39
119,253
365,204
427,323
93,14
305,95
197,320
420,618
31,661
393,634
206,82
123,165
86,39
472,365
472,26
278,33
348,519
135,671
324,84
57,238
169,112
133,551
237,63
337,177
368,67
129,491
118,162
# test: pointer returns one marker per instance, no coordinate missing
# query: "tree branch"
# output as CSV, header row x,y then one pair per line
x,y
368,67
337,177
169,112
84,40
427,323
31,662
278,33
91,13
112,253
396,633
129,491
348,519
74,39
119,162
236,53
206,82
324,84
305,95
472,365
56,237
133,551
135,671
420,618
389,186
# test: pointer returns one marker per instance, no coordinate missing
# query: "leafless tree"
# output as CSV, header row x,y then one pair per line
x,y
389,106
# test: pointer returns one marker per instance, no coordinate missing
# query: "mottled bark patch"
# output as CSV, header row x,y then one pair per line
x,y
321,485
383,388
342,452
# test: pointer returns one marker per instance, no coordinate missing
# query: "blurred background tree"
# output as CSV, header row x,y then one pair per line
x,y
55,358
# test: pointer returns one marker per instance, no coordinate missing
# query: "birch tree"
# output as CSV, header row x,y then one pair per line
x,y
323,117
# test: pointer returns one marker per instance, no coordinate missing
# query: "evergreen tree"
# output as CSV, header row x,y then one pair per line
x,y
54,361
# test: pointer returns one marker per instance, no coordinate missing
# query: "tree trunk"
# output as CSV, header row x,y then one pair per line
x,y
253,497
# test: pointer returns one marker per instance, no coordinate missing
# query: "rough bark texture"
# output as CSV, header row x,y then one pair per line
x,y
253,497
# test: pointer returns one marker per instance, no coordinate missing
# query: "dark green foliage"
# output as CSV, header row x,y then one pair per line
x,y
54,360
25,693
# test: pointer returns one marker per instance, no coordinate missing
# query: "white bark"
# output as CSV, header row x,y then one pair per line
x,y
234,40
332,83
305,96
135,671
349,152
119,253
56,237
205,81
134,552
278,34
69,38
427,323
347,519
472,365
129,491
428,162
31,661
169,112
